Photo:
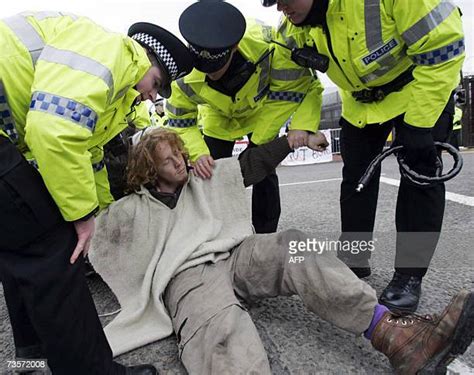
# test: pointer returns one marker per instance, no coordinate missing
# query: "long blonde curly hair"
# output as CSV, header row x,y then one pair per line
x,y
143,162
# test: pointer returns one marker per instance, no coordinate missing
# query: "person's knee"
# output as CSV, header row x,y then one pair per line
x,y
292,235
291,239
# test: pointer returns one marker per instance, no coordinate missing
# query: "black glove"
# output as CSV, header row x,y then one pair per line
x,y
419,150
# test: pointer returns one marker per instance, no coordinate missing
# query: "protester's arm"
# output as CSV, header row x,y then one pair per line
x,y
257,162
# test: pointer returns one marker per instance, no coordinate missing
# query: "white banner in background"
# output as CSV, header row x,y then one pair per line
x,y
239,146
301,156
304,155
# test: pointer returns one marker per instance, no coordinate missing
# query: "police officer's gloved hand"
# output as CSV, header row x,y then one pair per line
x,y
419,150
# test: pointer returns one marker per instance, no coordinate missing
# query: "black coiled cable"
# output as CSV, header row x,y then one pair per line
x,y
411,175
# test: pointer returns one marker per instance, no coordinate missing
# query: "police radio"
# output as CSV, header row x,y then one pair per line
x,y
307,57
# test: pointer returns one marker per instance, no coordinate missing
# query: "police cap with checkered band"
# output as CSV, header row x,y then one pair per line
x,y
172,55
211,28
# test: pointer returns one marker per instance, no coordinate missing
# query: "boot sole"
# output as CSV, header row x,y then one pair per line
x,y
462,338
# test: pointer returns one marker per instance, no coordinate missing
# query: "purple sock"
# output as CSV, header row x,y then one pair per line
x,y
379,310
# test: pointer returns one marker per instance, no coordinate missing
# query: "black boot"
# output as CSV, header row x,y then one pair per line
x,y
402,293
141,370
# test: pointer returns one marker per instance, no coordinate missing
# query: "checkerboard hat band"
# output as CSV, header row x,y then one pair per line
x,y
162,53
204,54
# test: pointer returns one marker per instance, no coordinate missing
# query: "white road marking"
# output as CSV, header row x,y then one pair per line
x,y
454,197
458,198
311,182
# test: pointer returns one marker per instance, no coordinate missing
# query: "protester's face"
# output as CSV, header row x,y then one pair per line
x,y
172,171
150,84
295,10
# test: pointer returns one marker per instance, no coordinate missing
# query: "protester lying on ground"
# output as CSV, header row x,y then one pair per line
x,y
178,253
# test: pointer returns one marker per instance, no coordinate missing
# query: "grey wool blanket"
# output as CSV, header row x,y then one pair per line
x,y
140,244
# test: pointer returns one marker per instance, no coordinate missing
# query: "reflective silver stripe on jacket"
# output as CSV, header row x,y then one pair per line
x,y
373,31
76,61
380,72
440,55
288,74
181,123
264,79
27,35
267,33
288,96
7,123
188,90
65,108
121,93
289,41
177,111
428,22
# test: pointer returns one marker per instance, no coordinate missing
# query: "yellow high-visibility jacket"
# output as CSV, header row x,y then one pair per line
x,y
140,118
67,87
374,41
276,91
457,125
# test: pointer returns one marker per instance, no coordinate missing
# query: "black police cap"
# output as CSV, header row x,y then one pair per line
x,y
172,55
211,28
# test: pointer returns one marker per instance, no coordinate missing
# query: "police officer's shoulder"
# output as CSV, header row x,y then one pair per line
x,y
256,40
259,30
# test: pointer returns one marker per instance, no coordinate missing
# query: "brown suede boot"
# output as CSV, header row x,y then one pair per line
x,y
426,345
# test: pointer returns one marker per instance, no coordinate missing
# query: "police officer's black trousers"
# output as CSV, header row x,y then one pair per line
x,y
266,207
51,309
419,211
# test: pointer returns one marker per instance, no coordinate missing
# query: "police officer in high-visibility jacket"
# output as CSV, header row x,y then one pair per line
x,y
457,127
396,64
66,87
242,86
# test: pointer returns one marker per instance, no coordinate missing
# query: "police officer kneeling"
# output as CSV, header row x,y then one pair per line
x,y
66,86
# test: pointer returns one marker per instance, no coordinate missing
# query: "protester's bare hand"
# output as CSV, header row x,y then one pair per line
x,y
85,231
203,166
318,141
297,138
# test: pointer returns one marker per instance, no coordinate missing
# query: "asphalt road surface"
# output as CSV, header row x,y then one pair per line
x,y
297,341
